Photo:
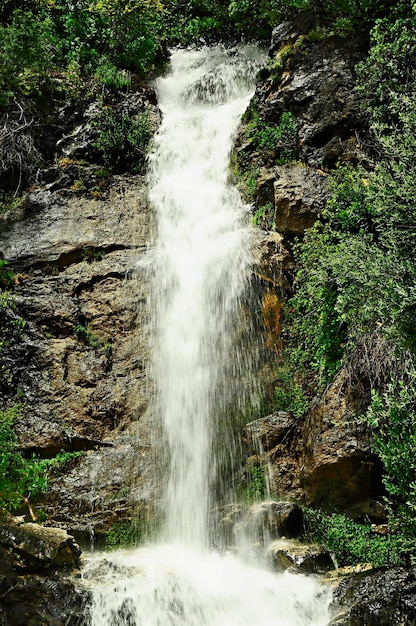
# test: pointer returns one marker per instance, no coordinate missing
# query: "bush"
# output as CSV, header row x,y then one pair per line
x,y
123,142
27,53
278,143
20,479
351,543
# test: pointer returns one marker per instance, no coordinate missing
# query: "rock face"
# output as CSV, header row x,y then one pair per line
x,y
308,559
317,86
39,547
324,457
76,244
298,194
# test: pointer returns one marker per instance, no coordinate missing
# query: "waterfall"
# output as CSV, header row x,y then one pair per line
x,y
201,264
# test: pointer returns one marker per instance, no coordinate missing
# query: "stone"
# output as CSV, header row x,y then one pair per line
x,y
267,432
273,264
380,597
305,558
39,547
271,520
300,193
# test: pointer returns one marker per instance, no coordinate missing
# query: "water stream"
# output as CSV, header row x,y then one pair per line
x,y
201,265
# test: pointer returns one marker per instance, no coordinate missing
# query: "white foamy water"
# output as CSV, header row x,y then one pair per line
x,y
201,264
175,585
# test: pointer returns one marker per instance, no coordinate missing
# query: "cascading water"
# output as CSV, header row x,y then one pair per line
x,y
201,264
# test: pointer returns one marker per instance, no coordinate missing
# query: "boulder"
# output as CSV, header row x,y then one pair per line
x,y
305,558
376,598
38,548
267,432
270,520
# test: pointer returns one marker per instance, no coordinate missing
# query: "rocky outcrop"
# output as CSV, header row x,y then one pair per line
x,y
78,246
297,557
317,85
298,194
38,569
324,458
376,598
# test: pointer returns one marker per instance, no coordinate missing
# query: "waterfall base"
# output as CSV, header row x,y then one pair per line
x,y
176,585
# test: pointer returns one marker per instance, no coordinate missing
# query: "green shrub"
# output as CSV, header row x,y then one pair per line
x,y
107,74
289,392
280,142
20,479
27,53
127,533
123,142
349,542
86,336
392,416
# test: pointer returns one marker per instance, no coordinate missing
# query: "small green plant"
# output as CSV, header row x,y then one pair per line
x,y
7,276
315,35
127,533
107,74
289,393
9,201
349,542
264,217
86,336
278,142
256,489
20,478
91,254
277,64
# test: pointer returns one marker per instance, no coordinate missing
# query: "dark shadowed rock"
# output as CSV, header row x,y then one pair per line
x,y
271,520
377,598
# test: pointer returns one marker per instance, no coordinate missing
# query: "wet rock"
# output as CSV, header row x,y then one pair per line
x,y
38,547
267,432
306,558
273,263
79,363
298,195
33,600
377,598
340,470
271,520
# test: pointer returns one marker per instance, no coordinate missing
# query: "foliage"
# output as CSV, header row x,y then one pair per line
x,y
27,52
86,336
123,142
392,415
255,486
108,75
20,479
280,141
126,533
289,392
387,75
23,479
350,542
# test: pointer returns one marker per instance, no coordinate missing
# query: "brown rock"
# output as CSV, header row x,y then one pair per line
x,y
39,547
306,558
299,195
